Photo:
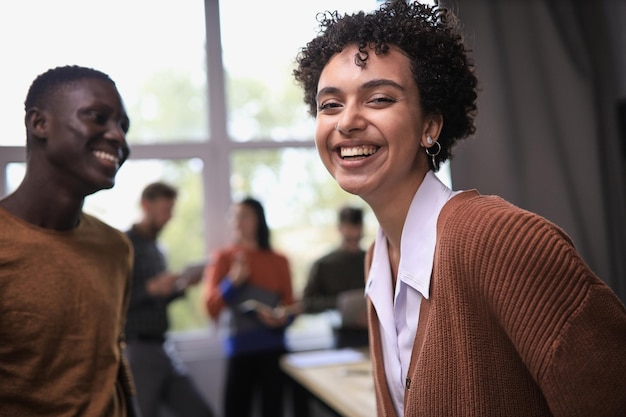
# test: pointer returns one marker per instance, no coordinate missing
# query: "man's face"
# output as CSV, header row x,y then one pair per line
x,y
84,135
351,235
158,212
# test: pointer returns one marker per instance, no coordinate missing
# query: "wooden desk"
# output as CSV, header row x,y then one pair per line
x,y
341,379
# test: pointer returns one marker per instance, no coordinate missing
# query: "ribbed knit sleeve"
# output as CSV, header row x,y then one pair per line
x,y
526,272
523,277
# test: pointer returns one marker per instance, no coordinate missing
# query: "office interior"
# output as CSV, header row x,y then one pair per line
x,y
214,110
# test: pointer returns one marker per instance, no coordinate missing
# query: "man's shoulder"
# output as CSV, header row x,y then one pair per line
x,y
328,257
339,256
8,219
134,236
93,225
94,222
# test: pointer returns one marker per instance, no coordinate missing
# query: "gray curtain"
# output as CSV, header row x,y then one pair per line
x,y
551,76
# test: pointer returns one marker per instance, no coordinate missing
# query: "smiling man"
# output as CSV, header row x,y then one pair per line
x,y
64,275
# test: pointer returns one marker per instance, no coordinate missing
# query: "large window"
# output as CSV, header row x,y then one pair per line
x,y
260,41
154,50
214,110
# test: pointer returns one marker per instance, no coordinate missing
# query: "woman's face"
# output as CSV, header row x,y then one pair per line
x,y
244,223
370,129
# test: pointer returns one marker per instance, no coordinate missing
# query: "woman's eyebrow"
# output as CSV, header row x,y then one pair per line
x,y
381,82
327,90
368,85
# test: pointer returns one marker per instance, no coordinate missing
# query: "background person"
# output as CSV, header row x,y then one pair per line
x,y
248,285
65,275
476,307
342,269
336,281
160,375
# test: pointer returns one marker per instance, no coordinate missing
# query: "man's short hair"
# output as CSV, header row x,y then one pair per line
x,y
351,215
42,88
157,190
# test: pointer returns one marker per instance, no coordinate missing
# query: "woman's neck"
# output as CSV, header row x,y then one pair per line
x,y
248,243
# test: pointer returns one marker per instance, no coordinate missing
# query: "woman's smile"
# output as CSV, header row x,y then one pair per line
x,y
357,152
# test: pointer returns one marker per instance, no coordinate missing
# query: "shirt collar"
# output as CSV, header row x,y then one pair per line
x,y
419,237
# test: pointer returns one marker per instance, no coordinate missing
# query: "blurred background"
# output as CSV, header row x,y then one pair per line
x,y
215,111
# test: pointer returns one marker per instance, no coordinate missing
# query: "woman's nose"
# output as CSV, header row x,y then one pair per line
x,y
350,120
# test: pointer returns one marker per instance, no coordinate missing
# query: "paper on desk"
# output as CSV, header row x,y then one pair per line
x,y
325,357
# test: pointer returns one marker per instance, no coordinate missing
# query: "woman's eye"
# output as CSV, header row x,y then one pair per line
x,y
328,105
382,99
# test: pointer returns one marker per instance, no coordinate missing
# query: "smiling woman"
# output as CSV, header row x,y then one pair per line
x,y
452,264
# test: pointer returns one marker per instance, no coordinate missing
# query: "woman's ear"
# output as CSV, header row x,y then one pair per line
x,y
433,123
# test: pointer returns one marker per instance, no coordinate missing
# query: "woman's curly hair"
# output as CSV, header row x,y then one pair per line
x,y
430,36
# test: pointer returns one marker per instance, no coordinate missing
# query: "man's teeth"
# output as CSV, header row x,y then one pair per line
x,y
358,151
107,156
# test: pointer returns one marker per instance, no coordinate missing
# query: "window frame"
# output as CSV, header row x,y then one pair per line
x,y
215,152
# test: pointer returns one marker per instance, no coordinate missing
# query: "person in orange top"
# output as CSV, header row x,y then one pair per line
x,y
248,289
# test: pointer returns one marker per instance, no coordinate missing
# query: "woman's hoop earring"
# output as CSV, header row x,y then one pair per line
x,y
432,155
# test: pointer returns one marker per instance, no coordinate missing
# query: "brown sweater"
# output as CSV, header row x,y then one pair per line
x,y
516,323
63,295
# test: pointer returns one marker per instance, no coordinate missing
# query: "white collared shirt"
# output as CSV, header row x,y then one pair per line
x,y
398,313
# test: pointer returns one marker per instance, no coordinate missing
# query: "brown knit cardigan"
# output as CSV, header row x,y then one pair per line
x,y
516,323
